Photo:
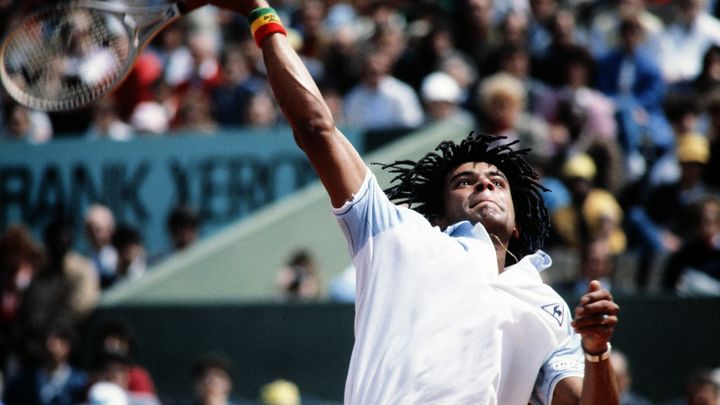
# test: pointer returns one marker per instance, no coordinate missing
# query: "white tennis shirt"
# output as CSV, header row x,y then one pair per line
x,y
434,321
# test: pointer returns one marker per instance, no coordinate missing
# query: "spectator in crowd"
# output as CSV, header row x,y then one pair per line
x,y
539,38
21,123
261,111
683,111
21,259
298,280
171,48
427,47
195,113
233,94
107,124
441,96
99,228
380,101
695,268
132,257
512,33
501,105
388,35
183,228
280,392
475,32
623,374
606,30
137,88
110,382
515,60
105,392
701,388
315,39
59,239
594,214
212,380
66,289
52,380
205,74
713,136
662,219
115,348
632,77
685,40
549,64
153,116
596,263
708,81
459,67
582,118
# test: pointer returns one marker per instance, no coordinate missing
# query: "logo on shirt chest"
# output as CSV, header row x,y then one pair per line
x,y
556,311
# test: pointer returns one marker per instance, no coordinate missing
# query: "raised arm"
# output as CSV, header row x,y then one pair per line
x,y
337,163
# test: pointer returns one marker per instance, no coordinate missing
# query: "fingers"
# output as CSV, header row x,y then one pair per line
x,y
597,301
595,292
596,317
597,322
600,306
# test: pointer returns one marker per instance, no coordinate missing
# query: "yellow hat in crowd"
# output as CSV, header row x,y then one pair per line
x,y
280,392
580,165
693,148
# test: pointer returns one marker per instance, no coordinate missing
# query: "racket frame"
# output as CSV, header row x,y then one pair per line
x,y
141,24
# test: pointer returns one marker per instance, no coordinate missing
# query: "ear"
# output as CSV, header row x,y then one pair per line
x,y
515,233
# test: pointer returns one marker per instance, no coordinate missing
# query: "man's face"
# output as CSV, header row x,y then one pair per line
x,y
479,192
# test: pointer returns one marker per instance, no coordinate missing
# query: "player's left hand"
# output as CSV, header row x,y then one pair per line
x,y
595,318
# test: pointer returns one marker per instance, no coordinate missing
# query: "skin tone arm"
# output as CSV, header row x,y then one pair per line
x,y
595,320
337,163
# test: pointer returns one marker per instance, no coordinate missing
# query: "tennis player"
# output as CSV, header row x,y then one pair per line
x,y
450,306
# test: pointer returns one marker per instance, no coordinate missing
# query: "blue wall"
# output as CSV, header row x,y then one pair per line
x,y
224,176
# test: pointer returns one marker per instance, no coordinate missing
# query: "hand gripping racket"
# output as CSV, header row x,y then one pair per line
x,y
69,55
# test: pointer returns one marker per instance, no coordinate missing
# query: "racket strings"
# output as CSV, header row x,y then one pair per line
x,y
65,58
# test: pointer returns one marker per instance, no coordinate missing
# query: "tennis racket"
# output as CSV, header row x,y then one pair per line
x,y
66,56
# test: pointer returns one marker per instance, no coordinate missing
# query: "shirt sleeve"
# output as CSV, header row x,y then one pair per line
x,y
368,213
566,361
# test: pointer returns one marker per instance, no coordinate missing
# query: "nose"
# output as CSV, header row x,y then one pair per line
x,y
484,184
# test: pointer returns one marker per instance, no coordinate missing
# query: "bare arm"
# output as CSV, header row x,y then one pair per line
x,y
337,163
595,320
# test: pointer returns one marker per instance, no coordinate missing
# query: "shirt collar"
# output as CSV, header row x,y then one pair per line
x,y
539,260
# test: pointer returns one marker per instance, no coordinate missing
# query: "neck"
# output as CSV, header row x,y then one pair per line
x,y
501,252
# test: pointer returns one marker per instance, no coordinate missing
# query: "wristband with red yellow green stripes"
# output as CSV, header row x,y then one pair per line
x,y
263,22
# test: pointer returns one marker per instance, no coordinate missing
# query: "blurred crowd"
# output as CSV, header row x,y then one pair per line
x,y
619,101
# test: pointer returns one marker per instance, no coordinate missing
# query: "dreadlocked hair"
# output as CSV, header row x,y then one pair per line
x,y
420,185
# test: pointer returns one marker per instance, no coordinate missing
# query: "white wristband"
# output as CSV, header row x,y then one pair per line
x,y
596,358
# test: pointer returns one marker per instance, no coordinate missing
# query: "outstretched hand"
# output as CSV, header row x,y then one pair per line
x,y
595,318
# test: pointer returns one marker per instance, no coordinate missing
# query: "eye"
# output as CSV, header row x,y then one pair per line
x,y
462,183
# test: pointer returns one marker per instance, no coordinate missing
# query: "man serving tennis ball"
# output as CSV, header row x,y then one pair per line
x,y
441,315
